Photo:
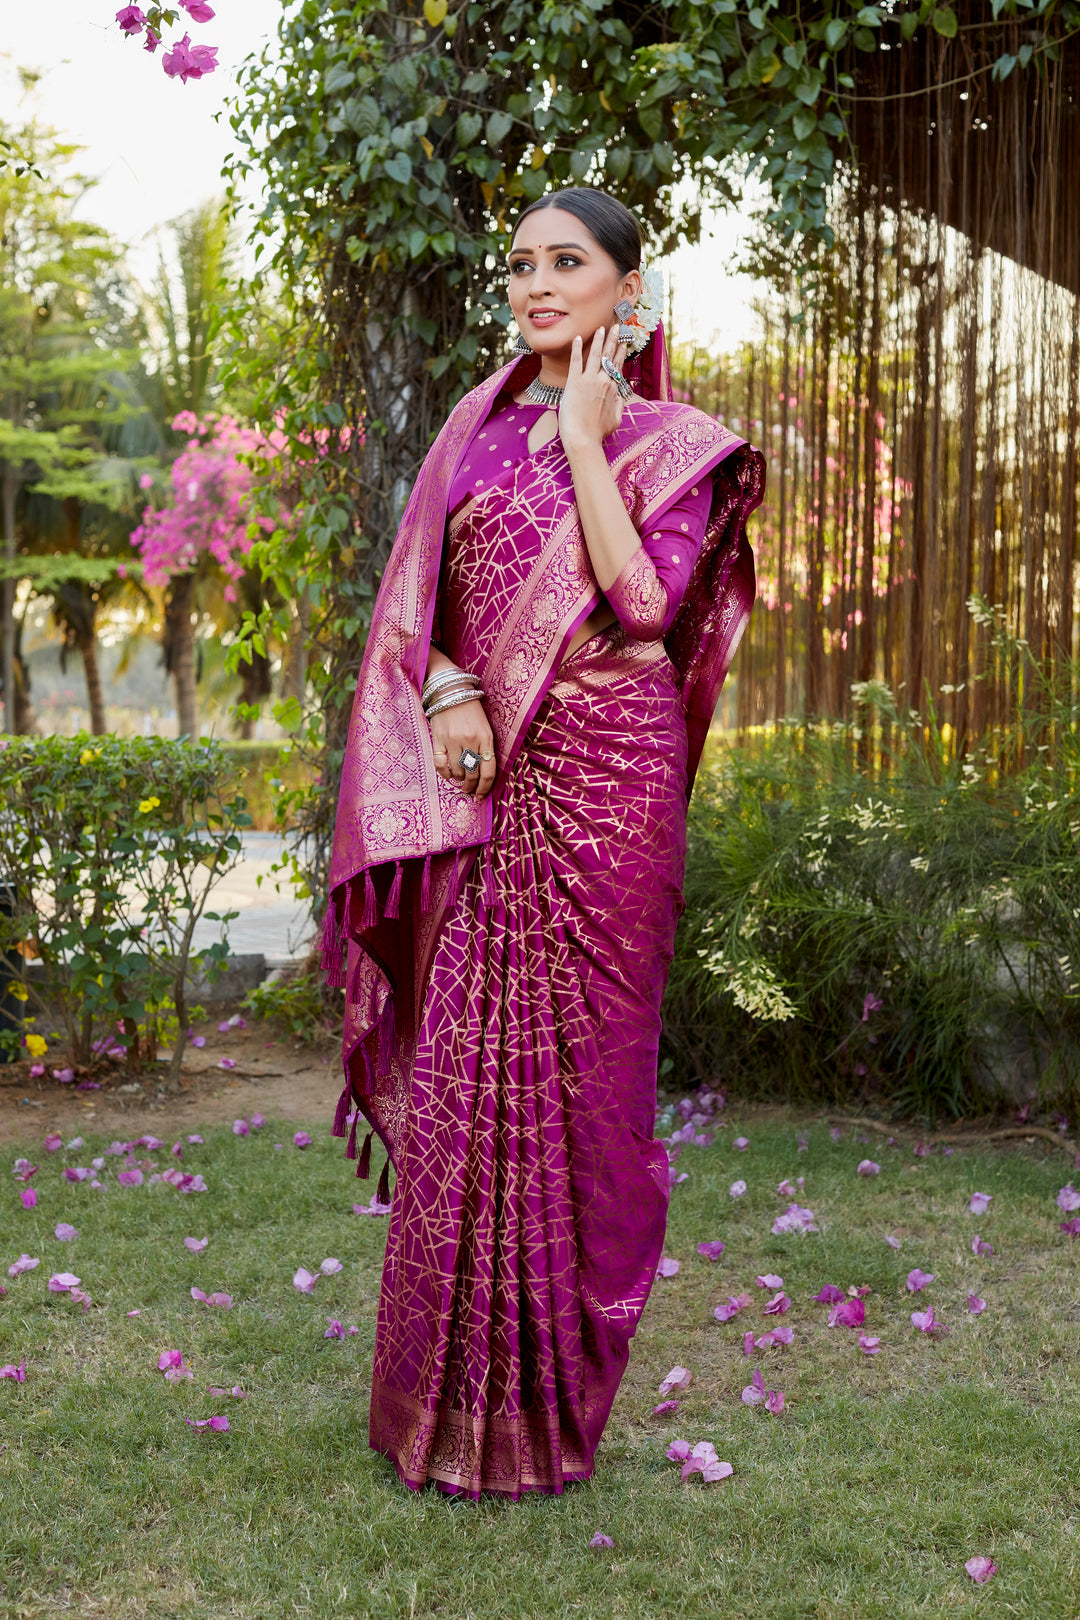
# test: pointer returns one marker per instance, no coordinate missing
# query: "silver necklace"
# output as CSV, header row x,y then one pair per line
x,y
548,394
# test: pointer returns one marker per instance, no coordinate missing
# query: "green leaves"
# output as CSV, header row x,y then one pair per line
x,y
944,22
399,168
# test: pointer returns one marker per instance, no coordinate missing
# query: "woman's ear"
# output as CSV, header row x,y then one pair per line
x,y
631,285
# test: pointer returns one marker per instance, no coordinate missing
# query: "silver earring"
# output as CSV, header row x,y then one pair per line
x,y
521,347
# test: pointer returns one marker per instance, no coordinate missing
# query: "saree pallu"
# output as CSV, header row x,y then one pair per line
x,y
531,1198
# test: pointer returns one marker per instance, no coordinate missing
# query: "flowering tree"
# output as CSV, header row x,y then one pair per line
x,y
206,527
184,61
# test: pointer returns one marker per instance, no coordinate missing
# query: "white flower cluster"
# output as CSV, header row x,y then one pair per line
x,y
649,308
753,984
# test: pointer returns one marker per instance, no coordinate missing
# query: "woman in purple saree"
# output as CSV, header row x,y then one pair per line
x,y
563,600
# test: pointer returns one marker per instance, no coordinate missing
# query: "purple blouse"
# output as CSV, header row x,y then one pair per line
x,y
647,594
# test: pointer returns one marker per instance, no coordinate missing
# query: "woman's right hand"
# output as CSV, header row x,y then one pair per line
x,y
464,726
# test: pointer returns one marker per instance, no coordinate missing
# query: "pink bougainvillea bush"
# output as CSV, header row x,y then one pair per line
x,y
182,60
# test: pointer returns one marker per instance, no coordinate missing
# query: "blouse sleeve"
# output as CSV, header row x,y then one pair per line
x,y
648,593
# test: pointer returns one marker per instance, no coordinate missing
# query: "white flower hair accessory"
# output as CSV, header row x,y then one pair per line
x,y
639,326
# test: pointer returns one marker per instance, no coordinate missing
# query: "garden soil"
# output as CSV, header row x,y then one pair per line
x,y
274,1075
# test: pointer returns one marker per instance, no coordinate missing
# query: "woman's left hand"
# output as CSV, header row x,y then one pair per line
x,y
591,408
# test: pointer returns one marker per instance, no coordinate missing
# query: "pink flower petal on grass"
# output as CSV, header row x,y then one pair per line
x,y
711,1251
1071,1228
851,1313
196,1245
976,1305
301,1139
304,1281
748,1344
61,1281
665,1409
1068,1199
737,1189
240,1127
774,1402
754,1393
600,1540
867,1167
777,1335
25,1262
678,1451
794,1219
29,1198
777,1306
869,1345
65,1233
130,1178
980,1569
893,1242
667,1267
17,1374
980,1247
980,1203
219,1425
770,1280
330,1267
830,1295
741,1143
336,1329
677,1378
735,1304
917,1280
713,1472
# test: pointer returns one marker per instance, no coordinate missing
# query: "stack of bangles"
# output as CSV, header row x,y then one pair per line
x,y
448,688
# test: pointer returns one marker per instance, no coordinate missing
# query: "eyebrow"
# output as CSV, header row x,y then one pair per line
x,y
553,247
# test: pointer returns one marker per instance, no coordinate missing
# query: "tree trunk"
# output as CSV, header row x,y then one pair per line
x,y
181,649
95,697
7,599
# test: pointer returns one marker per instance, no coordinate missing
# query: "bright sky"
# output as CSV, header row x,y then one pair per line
x,y
156,146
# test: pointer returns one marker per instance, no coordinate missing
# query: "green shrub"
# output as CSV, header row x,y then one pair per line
x,y
836,868
110,849
300,1003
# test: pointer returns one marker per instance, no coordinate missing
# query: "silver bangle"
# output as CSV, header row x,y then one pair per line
x,y
453,700
443,677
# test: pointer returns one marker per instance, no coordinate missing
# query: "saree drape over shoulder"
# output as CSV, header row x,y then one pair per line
x,y
504,962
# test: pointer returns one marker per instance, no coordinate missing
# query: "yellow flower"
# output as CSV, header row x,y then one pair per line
x,y
88,756
37,1045
146,805
19,991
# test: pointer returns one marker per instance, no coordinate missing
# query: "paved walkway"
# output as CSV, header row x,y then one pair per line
x,y
272,922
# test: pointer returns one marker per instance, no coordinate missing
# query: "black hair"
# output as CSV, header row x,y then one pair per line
x,y
609,221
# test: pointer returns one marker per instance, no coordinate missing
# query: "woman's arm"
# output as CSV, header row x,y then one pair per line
x,y
463,726
590,410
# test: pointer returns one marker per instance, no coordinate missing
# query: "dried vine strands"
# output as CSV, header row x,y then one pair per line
x,y
918,397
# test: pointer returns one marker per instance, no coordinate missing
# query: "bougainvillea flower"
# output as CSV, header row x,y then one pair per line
x,y
830,1295
737,1189
922,1151
754,1393
131,19
741,1143
777,1335
787,1189
735,1304
61,1281
770,1280
303,1280
779,1305
1068,1199
229,1063
748,1344
867,1167
834,1132
918,1279
871,1004
75,1173
25,1262
1071,1228
926,1322
257,1122
81,1297
65,1233
600,1540
219,1425
851,1313
677,1378
980,1569
330,1267
976,1305
980,1203
197,1040
17,1374
196,1245
794,1219
702,1456
222,1301
29,1197
667,1267
195,1141
241,1394
170,1358
240,1127
893,1242
980,1247
130,1178
678,1451
869,1345
374,1208
336,1329
711,1251
53,1142
301,1139
65,1075
774,1402
665,1409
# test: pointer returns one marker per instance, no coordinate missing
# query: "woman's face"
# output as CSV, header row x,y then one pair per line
x,y
562,283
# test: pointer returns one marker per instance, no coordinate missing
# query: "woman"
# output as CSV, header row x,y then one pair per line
x,y
568,585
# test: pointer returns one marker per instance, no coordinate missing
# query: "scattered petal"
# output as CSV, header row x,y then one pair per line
x,y
53,1142
770,1280
715,1471
667,1267
777,1335
741,1143
336,1329
240,1127
893,1242
1068,1199
869,1345
980,1569
926,1323
749,1344
130,1178
788,1189
304,1281
976,1305
301,1139
852,1313
257,1122
794,1219
374,1208
918,1279
226,1063
600,1540
754,1393
980,1203
195,1141
711,1251
65,1233
196,1245
665,1409
774,1402
830,1295
735,1304
677,1378
29,1197
980,1247
867,1167
219,1425
779,1305
737,1189
25,1262
61,1281
18,1374
330,1267
1071,1228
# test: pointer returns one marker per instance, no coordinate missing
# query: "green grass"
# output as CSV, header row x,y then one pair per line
x,y
863,1500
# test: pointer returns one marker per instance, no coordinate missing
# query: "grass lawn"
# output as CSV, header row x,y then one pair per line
x,y
863,1498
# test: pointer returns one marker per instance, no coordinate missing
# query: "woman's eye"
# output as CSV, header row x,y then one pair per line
x,y
520,264
567,258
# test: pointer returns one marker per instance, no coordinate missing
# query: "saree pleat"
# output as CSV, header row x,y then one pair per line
x,y
531,1199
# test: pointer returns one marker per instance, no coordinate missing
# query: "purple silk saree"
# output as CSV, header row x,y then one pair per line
x,y
504,963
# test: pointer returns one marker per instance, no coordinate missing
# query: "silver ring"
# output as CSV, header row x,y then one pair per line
x,y
470,760
621,384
